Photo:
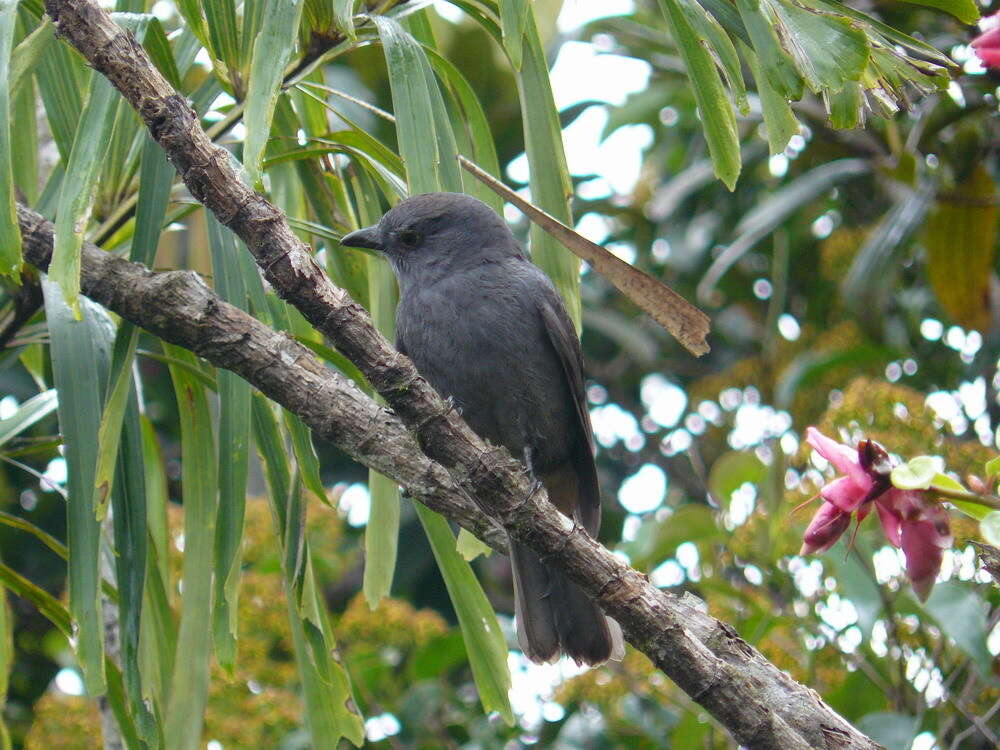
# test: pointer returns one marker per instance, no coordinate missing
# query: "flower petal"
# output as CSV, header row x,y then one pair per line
x,y
923,544
843,457
824,529
891,523
844,493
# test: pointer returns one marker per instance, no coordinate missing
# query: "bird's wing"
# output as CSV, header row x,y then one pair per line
x,y
562,336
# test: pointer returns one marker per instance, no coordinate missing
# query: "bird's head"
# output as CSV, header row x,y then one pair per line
x,y
437,234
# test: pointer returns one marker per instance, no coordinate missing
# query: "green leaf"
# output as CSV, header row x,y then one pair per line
x,y
961,613
271,52
960,235
483,150
992,467
857,584
893,730
845,106
828,50
343,15
426,143
28,53
77,193
31,411
331,710
969,507
513,20
484,641
470,547
989,527
777,69
382,531
63,83
80,350
917,473
234,453
16,522
130,546
189,683
722,49
731,471
6,663
965,11
718,119
50,607
158,634
10,234
658,540
549,181
110,431
223,30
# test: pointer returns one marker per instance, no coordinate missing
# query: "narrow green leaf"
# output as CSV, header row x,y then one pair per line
x,y
722,50
16,522
6,663
63,81
343,15
130,544
109,434
331,711
158,634
234,438
80,350
10,234
189,684
271,51
484,641
31,411
224,32
382,531
845,106
234,451
776,66
77,194
470,547
24,143
716,113
779,120
28,53
50,607
992,467
828,49
513,20
551,187
483,149
156,175
415,123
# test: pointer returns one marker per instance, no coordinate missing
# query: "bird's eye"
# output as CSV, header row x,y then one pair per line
x,y
409,238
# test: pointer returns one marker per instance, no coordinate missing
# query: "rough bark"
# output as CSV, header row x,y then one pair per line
x,y
762,706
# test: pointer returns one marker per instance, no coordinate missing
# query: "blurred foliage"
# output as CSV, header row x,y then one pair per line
x,y
851,280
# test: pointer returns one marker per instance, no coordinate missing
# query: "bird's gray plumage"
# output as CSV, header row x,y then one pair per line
x,y
486,327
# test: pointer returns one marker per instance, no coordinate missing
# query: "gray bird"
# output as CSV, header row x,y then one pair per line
x,y
486,327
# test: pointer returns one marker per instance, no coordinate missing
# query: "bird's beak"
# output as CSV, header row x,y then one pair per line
x,y
367,238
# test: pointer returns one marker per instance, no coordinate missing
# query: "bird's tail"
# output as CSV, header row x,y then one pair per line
x,y
554,616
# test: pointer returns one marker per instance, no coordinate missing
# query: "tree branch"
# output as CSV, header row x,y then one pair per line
x,y
759,704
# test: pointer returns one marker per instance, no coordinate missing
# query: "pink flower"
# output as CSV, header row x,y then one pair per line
x,y
910,518
987,45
